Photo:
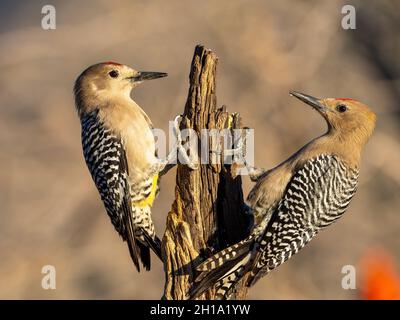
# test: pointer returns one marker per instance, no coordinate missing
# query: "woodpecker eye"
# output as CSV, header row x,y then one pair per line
x,y
113,74
341,108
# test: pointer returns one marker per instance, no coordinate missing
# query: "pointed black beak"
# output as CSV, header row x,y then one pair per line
x,y
312,101
148,75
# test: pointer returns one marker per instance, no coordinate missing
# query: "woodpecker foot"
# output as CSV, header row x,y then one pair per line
x,y
239,155
255,173
184,157
166,164
239,151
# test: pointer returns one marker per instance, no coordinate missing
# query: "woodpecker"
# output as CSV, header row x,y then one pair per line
x,y
296,199
119,150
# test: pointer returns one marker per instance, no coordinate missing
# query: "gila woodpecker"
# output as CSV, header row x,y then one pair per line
x,y
295,200
119,149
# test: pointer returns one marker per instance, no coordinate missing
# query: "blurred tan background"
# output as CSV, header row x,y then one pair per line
x,y
50,211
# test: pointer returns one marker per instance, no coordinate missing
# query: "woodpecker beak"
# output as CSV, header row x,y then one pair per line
x,y
147,75
312,101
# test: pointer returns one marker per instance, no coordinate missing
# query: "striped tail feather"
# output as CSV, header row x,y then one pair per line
x,y
223,270
261,268
228,254
226,286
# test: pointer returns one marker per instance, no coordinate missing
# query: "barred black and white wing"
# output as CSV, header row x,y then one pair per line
x,y
106,160
317,195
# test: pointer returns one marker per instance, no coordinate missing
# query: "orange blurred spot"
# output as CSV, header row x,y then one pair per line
x,y
380,280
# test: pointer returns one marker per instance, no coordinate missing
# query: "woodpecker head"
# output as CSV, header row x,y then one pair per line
x,y
103,81
348,119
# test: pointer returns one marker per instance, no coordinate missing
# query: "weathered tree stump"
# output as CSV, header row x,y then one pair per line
x,y
207,214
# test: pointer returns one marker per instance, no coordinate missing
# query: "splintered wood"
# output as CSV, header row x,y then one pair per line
x,y
207,214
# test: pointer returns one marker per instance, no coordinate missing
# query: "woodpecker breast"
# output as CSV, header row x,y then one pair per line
x,y
129,122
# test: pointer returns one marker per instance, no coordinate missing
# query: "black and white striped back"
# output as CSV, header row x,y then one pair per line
x,y
104,153
317,195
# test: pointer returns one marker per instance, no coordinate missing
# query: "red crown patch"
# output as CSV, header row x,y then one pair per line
x,y
112,63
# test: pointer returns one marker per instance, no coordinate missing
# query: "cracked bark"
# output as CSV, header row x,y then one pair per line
x,y
207,214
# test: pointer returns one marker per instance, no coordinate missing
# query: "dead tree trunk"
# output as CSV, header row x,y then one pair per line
x,y
207,214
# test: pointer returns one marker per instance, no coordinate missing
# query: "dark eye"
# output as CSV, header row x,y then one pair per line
x,y
341,108
113,74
